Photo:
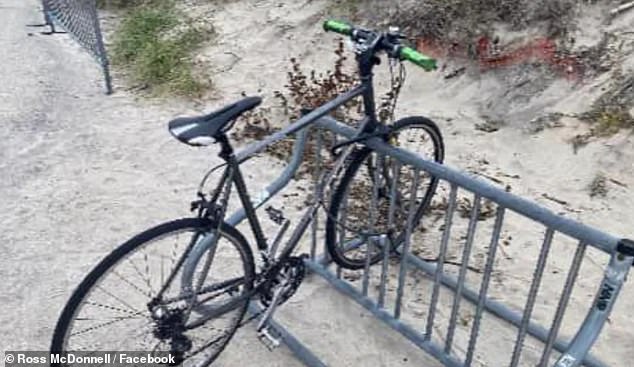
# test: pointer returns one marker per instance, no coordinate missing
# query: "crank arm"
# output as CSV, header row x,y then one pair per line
x,y
270,310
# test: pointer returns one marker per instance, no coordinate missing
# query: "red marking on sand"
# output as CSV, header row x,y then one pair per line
x,y
489,56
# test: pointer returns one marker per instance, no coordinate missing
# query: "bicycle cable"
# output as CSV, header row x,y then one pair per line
x,y
396,83
206,177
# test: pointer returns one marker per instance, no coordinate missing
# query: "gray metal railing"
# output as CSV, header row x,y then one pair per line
x,y
81,20
443,347
458,344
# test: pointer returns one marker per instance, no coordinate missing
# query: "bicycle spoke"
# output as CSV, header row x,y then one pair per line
x,y
147,272
179,264
145,278
162,270
118,299
134,286
229,284
110,307
99,326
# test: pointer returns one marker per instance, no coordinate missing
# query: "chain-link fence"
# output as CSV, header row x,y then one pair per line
x,y
80,19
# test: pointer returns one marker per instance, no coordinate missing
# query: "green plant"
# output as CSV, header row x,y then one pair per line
x,y
465,19
141,29
121,4
304,90
311,90
613,119
154,43
610,112
598,186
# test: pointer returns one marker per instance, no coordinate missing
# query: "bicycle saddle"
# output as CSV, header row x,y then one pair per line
x,y
205,130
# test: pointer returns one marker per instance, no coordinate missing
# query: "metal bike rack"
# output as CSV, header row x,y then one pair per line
x,y
570,353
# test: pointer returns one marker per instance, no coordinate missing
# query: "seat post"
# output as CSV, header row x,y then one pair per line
x,y
226,150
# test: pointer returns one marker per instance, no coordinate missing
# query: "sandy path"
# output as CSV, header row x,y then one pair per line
x,y
70,186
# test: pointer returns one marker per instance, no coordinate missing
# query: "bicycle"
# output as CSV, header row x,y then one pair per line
x,y
180,315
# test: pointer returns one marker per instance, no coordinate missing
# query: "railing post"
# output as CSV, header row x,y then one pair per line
x,y
101,49
80,19
615,275
46,9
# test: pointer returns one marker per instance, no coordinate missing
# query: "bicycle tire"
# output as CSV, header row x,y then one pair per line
x,y
146,239
348,178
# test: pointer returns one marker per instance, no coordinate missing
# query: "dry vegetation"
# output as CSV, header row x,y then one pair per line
x,y
155,43
462,22
306,90
466,19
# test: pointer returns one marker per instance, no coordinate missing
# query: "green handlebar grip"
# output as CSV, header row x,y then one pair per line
x,y
418,58
339,27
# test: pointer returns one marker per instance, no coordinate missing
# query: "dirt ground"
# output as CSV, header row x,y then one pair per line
x,y
80,172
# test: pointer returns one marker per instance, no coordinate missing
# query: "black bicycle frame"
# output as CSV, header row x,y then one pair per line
x,y
366,61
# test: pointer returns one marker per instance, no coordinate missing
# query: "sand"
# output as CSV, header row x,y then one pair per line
x,y
81,172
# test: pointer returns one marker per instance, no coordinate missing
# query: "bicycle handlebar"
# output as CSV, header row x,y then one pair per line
x,y
403,52
417,58
338,27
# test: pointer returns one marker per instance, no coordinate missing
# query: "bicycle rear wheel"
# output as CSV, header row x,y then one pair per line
x,y
116,308
354,220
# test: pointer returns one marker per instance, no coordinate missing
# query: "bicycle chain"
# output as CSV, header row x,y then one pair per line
x,y
295,284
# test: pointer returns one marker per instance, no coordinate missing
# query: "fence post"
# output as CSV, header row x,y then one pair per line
x,y
101,49
80,19
47,16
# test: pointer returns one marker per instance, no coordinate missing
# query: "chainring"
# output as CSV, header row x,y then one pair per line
x,y
293,269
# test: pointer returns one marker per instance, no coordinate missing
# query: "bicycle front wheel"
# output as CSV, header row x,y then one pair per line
x,y
133,299
359,209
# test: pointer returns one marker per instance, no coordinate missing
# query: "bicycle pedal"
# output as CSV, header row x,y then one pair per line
x,y
269,341
276,215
